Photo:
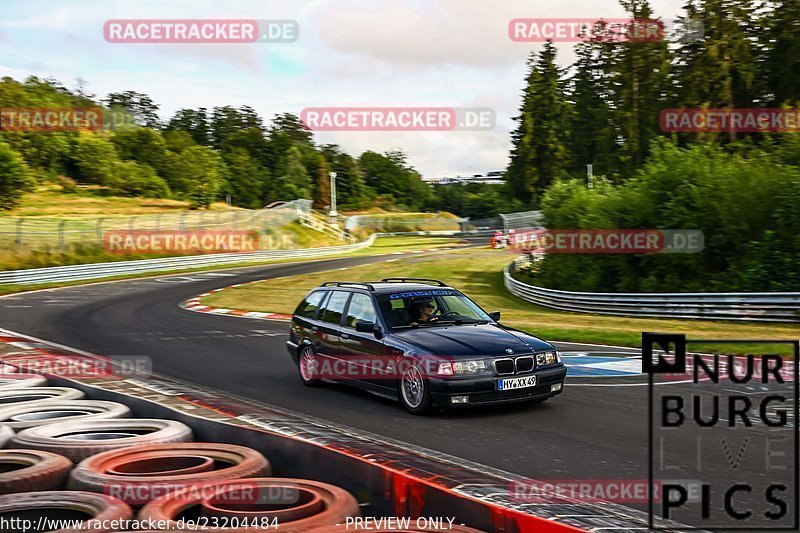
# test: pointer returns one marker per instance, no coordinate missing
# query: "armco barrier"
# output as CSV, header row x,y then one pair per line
x,y
389,478
751,306
119,268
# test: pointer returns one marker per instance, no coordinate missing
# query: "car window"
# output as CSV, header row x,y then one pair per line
x,y
360,310
335,307
309,306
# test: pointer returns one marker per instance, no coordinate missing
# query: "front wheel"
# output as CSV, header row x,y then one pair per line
x,y
415,391
308,366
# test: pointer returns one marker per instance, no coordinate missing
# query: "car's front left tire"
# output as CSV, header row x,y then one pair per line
x,y
308,367
415,391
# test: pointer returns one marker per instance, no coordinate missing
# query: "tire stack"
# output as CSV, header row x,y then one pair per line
x,y
67,457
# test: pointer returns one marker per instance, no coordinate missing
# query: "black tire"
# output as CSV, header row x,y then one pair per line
x,y
414,390
308,380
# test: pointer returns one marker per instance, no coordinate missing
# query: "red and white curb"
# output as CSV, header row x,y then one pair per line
x,y
193,304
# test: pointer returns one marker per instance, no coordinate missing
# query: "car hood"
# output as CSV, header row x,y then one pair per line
x,y
472,340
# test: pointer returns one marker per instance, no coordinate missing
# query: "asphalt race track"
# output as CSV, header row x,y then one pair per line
x,y
596,429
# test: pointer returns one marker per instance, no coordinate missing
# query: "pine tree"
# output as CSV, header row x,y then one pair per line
x,y
539,154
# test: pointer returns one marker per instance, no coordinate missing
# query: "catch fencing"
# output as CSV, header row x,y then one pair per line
x,y
42,234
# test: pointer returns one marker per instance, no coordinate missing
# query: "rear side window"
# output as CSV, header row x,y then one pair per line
x,y
309,306
360,310
335,307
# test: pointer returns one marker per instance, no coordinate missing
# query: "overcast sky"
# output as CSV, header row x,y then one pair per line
x,y
391,53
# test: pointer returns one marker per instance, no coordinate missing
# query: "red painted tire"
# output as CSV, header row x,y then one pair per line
x,y
38,394
253,499
17,381
66,505
143,473
32,414
32,470
81,439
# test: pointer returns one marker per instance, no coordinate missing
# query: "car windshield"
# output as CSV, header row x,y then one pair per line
x,y
430,308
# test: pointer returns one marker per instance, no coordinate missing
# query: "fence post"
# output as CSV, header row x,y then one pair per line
x,y
61,242
158,222
20,222
100,230
182,221
131,224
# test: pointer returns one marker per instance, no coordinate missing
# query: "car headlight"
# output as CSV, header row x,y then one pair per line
x,y
461,368
547,358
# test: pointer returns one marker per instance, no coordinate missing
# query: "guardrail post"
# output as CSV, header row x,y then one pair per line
x,y
18,239
201,224
158,222
182,221
131,224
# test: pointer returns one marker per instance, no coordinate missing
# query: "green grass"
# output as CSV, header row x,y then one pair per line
x,y
383,245
478,273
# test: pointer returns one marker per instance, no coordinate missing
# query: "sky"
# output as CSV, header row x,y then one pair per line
x,y
360,53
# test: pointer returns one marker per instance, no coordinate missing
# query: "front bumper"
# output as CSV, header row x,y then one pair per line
x,y
483,390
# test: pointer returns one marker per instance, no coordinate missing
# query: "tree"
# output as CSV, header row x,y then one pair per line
x,y
390,175
202,170
246,179
15,177
227,120
780,65
292,126
295,183
137,179
140,106
193,121
539,154
142,145
322,191
94,158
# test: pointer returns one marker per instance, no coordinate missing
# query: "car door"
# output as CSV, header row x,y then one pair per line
x,y
365,354
304,321
328,329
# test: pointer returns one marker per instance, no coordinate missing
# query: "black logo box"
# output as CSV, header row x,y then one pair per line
x,y
672,360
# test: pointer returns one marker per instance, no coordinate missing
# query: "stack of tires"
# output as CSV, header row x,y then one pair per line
x,y
65,457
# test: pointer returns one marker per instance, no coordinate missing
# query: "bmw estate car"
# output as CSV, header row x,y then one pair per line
x,y
419,341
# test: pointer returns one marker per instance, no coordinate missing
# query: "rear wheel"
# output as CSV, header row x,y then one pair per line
x,y
415,391
308,365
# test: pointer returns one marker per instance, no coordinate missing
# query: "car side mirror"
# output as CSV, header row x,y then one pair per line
x,y
365,327
495,315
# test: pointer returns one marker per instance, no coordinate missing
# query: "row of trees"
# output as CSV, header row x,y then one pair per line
x,y
604,110
199,155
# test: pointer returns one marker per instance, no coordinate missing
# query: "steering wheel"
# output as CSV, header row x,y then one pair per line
x,y
446,314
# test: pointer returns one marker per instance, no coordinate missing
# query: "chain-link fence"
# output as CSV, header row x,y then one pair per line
x,y
522,220
391,223
36,234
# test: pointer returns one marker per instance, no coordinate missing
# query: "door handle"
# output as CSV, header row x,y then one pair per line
x,y
344,336
314,328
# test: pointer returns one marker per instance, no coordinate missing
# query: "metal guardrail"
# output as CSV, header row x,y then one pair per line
x,y
748,306
118,268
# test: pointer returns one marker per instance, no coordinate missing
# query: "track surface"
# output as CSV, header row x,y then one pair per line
x,y
588,432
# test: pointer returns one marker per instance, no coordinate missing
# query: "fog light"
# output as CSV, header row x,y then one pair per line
x,y
555,387
459,399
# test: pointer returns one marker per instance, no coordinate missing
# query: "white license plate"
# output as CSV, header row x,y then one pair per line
x,y
516,383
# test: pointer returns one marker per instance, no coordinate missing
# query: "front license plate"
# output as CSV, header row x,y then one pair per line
x,y
516,383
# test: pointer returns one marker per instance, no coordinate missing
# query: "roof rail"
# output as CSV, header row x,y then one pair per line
x,y
406,280
357,284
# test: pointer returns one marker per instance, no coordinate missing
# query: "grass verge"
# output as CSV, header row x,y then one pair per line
x,y
478,273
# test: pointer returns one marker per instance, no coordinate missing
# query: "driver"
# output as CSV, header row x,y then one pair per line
x,y
421,311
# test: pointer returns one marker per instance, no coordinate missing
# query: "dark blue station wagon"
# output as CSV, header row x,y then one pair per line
x,y
419,341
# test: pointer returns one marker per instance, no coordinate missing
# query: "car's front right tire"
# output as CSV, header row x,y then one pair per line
x,y
308,367
415,391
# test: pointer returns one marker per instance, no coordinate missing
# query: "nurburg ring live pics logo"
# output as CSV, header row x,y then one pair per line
x,y
723,422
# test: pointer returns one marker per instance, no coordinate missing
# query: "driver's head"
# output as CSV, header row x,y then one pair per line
x,y
421,310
